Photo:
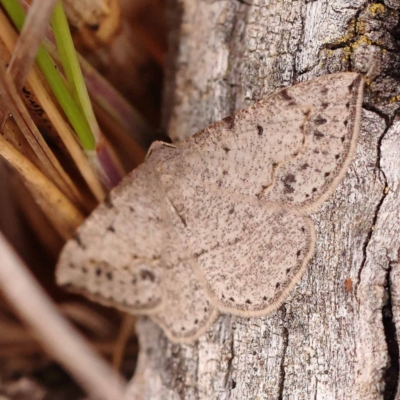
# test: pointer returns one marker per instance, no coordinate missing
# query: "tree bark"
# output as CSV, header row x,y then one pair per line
x,y
336,337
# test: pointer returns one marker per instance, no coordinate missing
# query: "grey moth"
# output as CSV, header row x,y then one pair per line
x,y
220,222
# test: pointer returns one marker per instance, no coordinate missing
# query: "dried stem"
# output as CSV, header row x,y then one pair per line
x,y
55,334
63,215
34,30
123,337
63,129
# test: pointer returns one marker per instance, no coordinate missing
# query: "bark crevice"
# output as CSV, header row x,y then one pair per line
x,y
230,383
244,2
285,345
371,232
383,197
391,376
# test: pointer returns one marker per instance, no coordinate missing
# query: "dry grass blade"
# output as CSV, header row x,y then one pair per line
x,y
125,332
50,164
35,26
67,136
63,129
53,331
35,184
11,132
61,212
88,318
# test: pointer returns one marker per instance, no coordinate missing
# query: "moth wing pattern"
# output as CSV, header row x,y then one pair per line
x,y
247,254
220,222
306,180
186,312
244,186
293,147
114,257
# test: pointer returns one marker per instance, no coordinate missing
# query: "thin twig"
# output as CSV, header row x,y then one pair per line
x,y
55,334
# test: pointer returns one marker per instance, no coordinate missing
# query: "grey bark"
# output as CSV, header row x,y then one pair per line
x,y
336,337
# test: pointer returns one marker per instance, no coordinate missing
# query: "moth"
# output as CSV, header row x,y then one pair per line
x,y
220,222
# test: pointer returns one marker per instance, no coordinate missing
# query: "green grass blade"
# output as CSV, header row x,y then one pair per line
x,y
71,65
55,81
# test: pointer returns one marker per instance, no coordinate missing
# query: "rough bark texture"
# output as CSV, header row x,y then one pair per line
x,y
336,337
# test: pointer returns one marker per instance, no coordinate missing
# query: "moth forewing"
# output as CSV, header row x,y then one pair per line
x,y
222,218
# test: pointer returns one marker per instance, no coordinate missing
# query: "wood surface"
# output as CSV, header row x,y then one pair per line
x,y
336,337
